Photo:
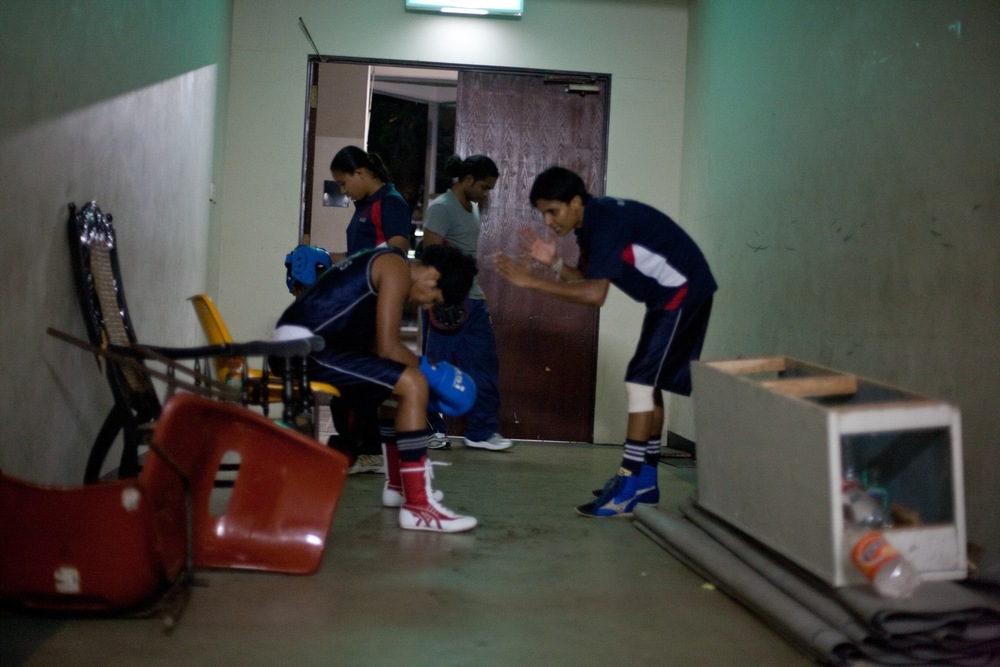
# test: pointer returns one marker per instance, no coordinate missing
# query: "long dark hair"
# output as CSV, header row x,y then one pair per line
x,y
477,166
351,158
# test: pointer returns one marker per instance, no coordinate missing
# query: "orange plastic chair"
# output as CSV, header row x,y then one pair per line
x,y
108,548
279,510
216,332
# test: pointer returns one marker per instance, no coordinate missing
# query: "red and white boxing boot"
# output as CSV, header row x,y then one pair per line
x,y
420,509
392,492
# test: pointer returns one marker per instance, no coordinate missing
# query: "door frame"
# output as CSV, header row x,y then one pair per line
x,y
559,77
565,78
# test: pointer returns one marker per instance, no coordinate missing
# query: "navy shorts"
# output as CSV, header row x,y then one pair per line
x,y
669,342
363,379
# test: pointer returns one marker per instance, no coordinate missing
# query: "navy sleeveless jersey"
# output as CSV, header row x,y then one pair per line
x,y
340,306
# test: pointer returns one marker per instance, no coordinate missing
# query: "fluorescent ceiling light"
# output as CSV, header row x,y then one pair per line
x,y
470,7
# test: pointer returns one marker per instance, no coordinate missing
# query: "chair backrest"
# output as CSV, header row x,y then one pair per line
x,y
211,320
216,331
101,293
284,496
94,254
109,547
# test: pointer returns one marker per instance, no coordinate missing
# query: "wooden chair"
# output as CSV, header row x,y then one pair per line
x,y
101,292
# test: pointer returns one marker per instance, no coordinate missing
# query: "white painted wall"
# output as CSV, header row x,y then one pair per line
x,y
115,102
641,44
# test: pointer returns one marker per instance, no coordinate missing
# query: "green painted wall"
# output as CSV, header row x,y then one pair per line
x,y
842,169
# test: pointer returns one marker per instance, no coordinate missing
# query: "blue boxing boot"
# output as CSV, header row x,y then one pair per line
x,y
618,498
649,490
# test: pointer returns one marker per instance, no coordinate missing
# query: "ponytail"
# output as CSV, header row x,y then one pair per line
x,y
477,166
351,158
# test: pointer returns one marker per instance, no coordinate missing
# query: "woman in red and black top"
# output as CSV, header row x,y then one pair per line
x,y
381,215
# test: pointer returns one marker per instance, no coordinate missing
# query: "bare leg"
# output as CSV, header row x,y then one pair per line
x,y
641,424
411,391
656,430
419,509
645,426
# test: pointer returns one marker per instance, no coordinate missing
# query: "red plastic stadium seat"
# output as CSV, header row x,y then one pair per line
x,y
109,547
277,515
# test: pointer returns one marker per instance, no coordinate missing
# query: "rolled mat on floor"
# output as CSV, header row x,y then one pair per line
x,y
943,623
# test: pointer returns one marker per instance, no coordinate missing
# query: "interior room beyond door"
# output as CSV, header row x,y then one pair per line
x,y
526,121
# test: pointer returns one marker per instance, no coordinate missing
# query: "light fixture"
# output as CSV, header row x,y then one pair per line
x,y
509,8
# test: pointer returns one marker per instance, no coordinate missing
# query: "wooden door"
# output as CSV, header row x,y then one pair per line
x,y
548,349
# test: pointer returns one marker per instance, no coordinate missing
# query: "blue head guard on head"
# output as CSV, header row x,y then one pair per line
x,y
305,264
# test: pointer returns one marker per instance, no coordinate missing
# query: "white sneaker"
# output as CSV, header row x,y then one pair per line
x,y
495,443
439,441
367,463
435,518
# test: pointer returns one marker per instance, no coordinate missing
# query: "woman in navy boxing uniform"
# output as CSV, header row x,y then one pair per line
x,y
356,307
651,259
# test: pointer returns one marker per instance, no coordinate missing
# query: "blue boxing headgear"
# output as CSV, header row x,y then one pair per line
x,y
304,265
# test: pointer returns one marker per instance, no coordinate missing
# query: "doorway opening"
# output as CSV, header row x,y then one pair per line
x,y
525,120
404,114
412,129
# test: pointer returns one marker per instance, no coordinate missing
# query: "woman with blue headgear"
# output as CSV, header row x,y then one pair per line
x,y
356,307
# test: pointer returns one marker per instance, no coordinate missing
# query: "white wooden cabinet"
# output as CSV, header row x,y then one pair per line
x,y
774,437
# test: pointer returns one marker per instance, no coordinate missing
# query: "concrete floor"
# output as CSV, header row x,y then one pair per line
x,y
534,584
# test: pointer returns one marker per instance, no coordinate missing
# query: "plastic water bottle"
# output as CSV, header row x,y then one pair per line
x,y
890,573
870,480
861,509
234,377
